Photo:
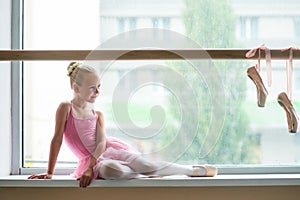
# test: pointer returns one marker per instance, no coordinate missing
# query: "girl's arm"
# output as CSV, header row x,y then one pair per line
x,y
101,138
60,120
87,176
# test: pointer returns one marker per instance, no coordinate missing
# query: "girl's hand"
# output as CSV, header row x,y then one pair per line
x,y
40,176
86,178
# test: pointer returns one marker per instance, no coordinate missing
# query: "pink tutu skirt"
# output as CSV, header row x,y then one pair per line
x,y
116,149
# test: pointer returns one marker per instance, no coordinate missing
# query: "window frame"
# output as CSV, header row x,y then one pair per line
x,y
16,88
17,115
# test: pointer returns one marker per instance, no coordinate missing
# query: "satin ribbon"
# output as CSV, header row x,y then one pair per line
x,y
252,53
289,70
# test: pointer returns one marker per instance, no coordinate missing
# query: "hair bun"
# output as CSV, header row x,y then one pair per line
x,y
73,67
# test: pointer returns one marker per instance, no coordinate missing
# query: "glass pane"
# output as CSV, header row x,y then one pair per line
x,y
184,111
45,87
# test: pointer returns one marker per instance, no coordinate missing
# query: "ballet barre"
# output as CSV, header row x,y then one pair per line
x,y
140,54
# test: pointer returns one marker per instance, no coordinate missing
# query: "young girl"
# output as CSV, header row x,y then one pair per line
x,y
99,156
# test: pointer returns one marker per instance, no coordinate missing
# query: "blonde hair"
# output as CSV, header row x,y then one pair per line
x,y
76,71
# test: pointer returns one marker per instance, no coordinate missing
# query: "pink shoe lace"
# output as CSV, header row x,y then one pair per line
x,y
252,53
289,70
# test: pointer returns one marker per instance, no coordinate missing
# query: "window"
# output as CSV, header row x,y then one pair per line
x,y
248,28
296,27
165,106
126,24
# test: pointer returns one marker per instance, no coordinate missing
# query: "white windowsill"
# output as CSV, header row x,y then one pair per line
x,y
170,181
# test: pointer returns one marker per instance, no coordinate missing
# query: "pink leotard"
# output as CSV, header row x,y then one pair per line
x,y
80,136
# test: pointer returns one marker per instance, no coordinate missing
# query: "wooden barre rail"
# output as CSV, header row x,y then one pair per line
x,y
153,54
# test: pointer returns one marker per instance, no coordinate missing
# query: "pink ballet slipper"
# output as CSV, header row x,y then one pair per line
x,y
210,171
292,118
260,88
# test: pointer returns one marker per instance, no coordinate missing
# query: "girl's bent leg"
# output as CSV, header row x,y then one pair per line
x,y
113,169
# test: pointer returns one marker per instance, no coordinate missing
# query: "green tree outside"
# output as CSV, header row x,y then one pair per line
x,y
211,23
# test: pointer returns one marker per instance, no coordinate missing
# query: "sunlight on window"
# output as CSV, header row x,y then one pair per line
x,y
139,99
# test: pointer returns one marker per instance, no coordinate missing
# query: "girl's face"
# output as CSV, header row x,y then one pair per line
x,y
89,88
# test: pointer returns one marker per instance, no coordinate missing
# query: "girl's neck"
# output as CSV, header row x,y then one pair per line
x,y
79,103
82,109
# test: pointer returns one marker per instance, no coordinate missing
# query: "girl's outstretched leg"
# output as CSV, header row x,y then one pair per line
x,y
132,165
161,168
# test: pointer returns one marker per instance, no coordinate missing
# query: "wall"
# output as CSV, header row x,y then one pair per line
x,y
5,105
153,193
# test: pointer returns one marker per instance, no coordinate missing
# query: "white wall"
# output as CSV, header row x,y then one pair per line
x,y
5,86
